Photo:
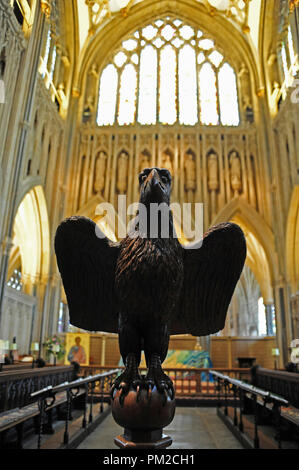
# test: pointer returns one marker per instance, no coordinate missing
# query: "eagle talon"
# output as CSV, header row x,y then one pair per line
x,y
150,386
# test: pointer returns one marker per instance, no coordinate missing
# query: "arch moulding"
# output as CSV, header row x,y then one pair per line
x,y
234,43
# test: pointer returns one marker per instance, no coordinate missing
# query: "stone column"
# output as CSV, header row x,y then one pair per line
x,y
27,77
282,322
295,314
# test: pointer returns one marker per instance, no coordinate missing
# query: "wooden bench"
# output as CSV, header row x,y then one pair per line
x,y
16,404
251,400
286,384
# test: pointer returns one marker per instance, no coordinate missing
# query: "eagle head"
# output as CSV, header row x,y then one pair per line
x,y
155,186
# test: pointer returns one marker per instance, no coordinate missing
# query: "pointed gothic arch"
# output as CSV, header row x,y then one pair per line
x,y
32,238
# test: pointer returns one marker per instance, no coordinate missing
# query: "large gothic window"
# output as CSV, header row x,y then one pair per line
x,y
168,72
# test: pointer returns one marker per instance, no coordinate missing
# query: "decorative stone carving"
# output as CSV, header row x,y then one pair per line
x,y
218,175
100,171
190,175
235,173
144,162
213,182
166,162
122,173
190,172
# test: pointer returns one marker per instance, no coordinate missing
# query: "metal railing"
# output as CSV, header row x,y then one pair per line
x,y
188,382
46,398
241,390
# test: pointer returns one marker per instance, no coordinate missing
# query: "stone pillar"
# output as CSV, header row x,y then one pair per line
x,y
295,314
28,77
51,307
283,332
42,292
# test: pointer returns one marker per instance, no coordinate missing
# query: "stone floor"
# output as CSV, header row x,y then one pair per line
x,y
192,428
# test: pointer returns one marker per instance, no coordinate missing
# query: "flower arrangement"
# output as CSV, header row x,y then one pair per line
x,y
51,344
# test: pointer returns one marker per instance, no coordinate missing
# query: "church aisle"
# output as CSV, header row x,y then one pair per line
x,y
192,428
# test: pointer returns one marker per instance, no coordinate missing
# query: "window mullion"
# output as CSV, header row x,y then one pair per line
x,y
119,73
158,86
177,98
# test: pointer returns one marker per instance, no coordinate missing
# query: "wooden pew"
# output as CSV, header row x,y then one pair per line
x,y
251,400
16,403
285,384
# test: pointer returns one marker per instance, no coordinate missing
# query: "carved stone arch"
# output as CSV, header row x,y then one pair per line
x,y
260,239
26,186
32,235
98,47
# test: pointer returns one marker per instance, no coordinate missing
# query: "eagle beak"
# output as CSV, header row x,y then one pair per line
x,y
154,190
153,180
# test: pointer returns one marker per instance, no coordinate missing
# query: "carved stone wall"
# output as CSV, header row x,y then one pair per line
x,y
208,165
17,318
12,44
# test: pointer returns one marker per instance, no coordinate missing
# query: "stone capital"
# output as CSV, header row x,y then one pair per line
x,y
46,8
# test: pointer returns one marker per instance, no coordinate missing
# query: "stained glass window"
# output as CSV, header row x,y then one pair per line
x,y
168,72
15,281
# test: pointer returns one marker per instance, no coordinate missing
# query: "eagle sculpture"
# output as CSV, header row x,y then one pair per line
x,y
146,288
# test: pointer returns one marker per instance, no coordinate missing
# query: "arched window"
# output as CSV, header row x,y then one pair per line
x,y
288,60
168,72
15,281
45,58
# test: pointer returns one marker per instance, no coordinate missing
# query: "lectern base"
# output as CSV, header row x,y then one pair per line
x,y
130,441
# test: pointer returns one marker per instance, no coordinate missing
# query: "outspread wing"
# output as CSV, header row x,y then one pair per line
x,y
211,271
87,265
